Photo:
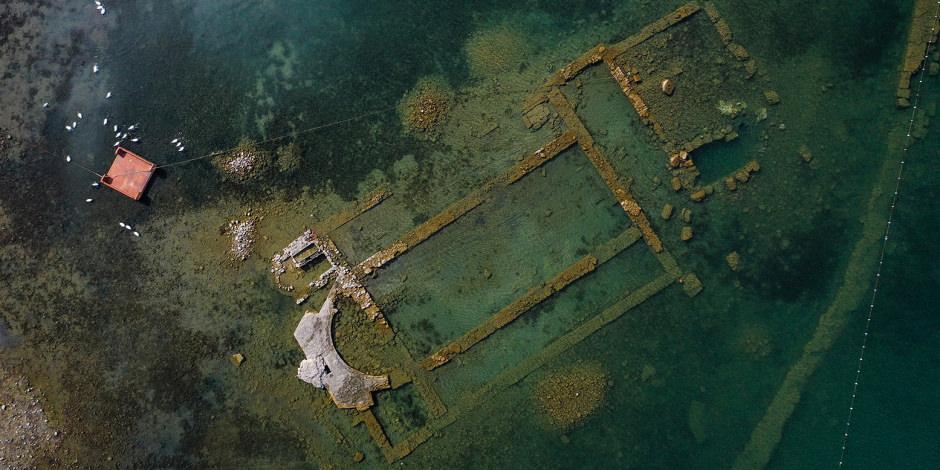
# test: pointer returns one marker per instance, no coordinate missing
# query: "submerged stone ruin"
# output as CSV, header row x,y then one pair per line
x,y
687,81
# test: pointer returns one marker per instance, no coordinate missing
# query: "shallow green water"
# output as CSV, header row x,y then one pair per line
x,y
130,338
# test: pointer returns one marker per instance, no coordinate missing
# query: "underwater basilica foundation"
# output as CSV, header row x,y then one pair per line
x,y
672,73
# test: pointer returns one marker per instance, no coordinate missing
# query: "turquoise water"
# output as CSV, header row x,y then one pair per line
x,y
129,339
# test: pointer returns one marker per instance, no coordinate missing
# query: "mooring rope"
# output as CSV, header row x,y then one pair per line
x,y
909,140
263,141
305,131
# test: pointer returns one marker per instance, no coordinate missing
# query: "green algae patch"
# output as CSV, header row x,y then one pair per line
x,y
496,50
288,158
566,397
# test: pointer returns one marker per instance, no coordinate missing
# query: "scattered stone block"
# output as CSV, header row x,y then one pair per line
x,y
668,87
686,215
667,212
698,196
730,183
691,284
676,183
772,97
536,117
237,359
686,233
806,154
734,260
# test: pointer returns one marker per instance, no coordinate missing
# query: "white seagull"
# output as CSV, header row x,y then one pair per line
x,y
89,200
182,148
108,95
68,158
105,122
45,105
94,185
68,128
121,224
79,115
136,233
94,68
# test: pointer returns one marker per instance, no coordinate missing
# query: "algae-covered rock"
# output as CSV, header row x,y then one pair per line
x,y
806,154
734,260
495,50
675,183
772,97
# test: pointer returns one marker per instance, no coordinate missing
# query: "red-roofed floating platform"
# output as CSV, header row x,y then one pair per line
x,y
129,173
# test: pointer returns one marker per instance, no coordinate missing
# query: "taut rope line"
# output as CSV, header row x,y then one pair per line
x,y
884,243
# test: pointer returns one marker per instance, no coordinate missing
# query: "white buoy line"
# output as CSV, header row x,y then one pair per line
x,y
909,140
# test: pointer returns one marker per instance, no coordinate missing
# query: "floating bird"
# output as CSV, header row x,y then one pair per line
x,y
102,11
117,143
74,124
68,128
79,115
97,2
68,158
136,233
135,139
115,128
94,68
121,224
45,105
89,200
133,126
108,95
94,185
128,226
117,135
175,140
182,148
105,122
124,135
